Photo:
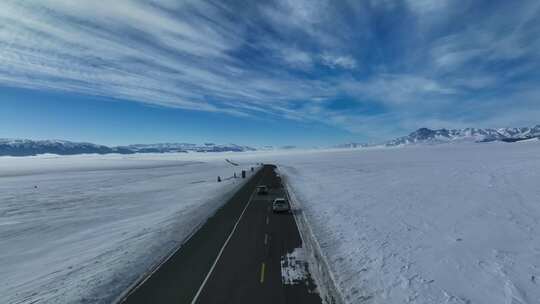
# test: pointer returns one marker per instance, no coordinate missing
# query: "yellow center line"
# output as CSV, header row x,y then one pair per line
x,y
262,272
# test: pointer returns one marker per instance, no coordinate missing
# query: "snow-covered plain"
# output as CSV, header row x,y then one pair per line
x,y
80,229
429,224
441,224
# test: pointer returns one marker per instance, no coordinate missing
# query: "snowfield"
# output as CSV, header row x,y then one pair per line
x,y
456,223
80,229
441,224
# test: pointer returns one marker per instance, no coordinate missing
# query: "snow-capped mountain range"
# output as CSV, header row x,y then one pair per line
x,y
428,136
185,147
27,147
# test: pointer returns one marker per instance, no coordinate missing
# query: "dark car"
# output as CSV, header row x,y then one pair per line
x,y
263,189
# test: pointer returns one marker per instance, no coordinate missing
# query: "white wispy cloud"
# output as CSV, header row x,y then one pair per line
x,y
346,62
426,6
283,58
398,89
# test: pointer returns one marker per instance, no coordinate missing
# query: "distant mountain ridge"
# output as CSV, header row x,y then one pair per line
x,y
27,147
351,145
185,147
426,136
429,136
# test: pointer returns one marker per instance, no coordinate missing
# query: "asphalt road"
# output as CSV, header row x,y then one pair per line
x,y
236,257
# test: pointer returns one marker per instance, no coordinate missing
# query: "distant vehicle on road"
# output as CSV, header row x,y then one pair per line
x,y
280,205
262,189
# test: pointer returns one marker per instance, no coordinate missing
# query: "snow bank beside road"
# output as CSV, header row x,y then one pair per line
x,y
445,224
81,228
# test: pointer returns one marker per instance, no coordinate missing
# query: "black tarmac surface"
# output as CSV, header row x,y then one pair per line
x,y
215,266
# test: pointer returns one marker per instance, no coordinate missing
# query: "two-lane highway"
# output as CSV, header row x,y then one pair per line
x,y
236,257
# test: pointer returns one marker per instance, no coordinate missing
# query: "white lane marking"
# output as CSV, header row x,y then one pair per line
x,y
265,238
267,220
223,248
263,267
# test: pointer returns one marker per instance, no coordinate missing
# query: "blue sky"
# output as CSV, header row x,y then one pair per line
x,y
306,72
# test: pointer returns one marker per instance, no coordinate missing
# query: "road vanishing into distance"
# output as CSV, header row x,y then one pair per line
x,y
236,257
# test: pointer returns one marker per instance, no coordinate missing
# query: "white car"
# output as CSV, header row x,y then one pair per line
x,y
280,205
